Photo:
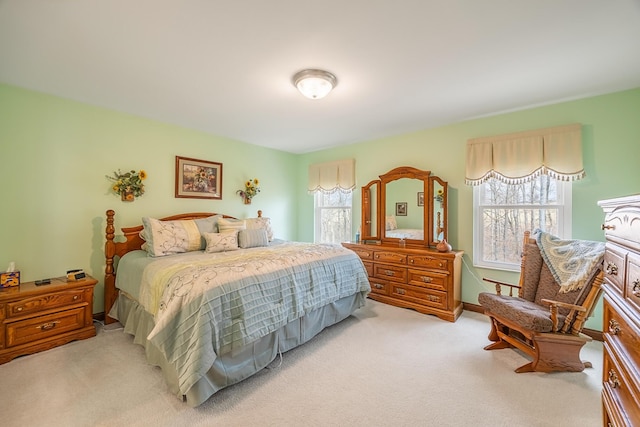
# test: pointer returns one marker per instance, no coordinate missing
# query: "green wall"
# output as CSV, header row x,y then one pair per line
x,y
56,153
611,150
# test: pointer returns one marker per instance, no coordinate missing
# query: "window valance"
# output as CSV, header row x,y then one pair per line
x,y
332,176
521,157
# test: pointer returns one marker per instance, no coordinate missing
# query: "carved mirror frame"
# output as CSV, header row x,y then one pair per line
x,y
435,209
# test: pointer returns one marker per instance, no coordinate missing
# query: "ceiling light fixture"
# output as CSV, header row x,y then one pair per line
x,y
314,84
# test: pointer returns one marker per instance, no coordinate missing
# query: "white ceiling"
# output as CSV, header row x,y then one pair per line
x,y
225,67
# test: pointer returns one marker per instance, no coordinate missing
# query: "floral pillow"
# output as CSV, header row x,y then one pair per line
x,y
390,223
170,237
260,223
221,242
204,225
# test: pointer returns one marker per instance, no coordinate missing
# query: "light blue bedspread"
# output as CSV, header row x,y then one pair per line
x,y
210,304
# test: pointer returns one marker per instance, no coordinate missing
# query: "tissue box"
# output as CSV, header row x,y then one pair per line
x,y
9,278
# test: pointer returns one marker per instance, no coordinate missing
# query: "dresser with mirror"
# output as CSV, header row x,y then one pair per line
x,y
403,243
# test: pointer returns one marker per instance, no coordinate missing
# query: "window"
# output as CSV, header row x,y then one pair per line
x,y
332,216
503,212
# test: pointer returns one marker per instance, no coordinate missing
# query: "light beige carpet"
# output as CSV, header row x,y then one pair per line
x,y
384,366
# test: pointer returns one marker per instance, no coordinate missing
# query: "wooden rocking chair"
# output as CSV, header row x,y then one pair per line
x,y
541,322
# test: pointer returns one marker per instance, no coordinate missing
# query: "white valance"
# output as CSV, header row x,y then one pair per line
x,y
333,176
521,157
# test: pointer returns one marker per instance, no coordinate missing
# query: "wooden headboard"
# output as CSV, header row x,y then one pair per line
x,y
132,242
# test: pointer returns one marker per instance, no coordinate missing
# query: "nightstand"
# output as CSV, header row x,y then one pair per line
x,y
37,318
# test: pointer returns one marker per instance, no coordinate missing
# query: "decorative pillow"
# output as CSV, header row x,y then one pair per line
x,y
221,242
260,223
170,237
205,225
390,223
252,238
231,224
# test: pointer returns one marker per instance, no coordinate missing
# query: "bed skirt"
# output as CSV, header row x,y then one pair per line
x,y
231,368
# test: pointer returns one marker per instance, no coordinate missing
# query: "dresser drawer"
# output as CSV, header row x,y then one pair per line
x,y
427,279
632,291
388,256
621,333
368,266
419,295
44,302
614,266
617,386
380,287
363,253
37,328
428,261
390,272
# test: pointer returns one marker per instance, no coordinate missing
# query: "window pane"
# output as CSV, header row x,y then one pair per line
x,y
543,191
503,230
333,217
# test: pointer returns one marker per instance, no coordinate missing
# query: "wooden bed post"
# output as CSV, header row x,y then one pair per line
x,y
110,291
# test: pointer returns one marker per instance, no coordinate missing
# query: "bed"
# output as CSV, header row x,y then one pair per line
x,y
210,312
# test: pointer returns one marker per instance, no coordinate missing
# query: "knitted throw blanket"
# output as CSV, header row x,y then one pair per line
x,y
571,261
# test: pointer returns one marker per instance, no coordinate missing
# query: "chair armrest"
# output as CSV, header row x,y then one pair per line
x,y
500,284
568,306
553,310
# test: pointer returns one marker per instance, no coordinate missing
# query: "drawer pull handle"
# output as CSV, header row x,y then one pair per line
x,y
426,279
75,297
611,269
636,288
412,261
400,291
388,272
19,309
614,382
440,265
608,227
48,326
614,327
378,286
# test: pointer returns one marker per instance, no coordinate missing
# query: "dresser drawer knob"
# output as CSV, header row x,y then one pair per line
x,y
440,265
426,279
388,272
48,326
611,269
412,261
400,291
75,297
19,309
378,286
614,327
613,381
608,227
636,288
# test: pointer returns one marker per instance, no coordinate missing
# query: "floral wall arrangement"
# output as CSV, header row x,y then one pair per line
x,y
128,185
251,189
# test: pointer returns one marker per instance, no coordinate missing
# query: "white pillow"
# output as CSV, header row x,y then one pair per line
x,y
390,223
225,224
260,223
221,242
205,225
252,238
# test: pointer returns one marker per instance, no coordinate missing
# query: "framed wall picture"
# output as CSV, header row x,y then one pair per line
x,y
401,209
421,198
198,179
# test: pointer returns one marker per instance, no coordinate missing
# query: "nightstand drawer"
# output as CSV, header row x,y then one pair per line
x,y
614,266
44,302
29,330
